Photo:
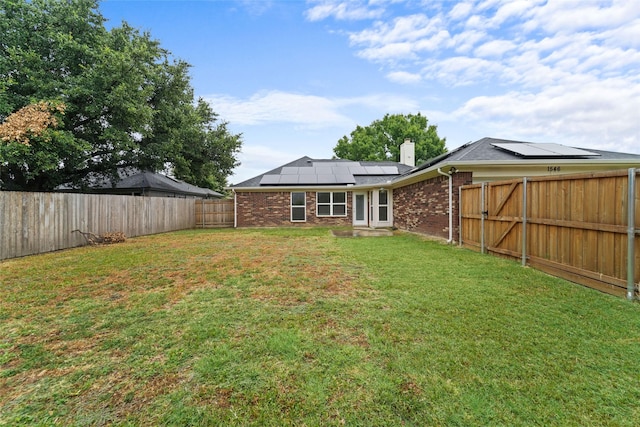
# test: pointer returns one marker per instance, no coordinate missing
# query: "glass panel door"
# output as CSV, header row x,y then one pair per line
x,y
360,209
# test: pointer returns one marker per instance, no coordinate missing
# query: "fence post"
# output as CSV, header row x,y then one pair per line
x,y
202,211
524,221
460,215
482,203
631,233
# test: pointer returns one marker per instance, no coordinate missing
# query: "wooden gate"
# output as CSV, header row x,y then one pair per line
x,y
215,213
580,227
491,217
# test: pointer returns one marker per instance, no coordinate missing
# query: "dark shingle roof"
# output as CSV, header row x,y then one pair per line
x,y
158,182
479,152
484,151
133,180
348,171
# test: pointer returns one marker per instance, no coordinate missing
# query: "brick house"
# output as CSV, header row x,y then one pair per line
x,y
423,199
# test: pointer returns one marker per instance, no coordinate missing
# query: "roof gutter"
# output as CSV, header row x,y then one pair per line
x,y
449,175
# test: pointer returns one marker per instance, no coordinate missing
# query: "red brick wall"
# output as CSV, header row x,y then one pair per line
x,y
423,207
273,209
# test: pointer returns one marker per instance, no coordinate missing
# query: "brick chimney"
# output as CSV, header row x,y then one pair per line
x,y
408,153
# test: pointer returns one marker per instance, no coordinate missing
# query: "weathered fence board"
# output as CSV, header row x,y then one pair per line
x,y
32,223
576,227
215,213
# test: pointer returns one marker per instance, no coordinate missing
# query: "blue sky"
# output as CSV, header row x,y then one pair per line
x,y
294,77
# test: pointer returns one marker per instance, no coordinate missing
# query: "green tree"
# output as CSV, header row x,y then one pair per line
x,y
381,140
128,103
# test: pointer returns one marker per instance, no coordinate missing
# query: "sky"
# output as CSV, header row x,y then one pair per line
x,y
296,76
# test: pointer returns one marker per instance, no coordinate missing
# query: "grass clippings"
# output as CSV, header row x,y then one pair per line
x,y
296,327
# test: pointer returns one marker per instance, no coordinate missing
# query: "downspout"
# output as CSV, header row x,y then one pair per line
x,y
448,175
235,209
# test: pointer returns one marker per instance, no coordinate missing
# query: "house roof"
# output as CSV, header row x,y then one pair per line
x,y
132,180
488,153
306,171
493,151
158,182
489,149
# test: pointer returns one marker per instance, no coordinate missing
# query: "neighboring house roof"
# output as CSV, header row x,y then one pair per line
x,y
308,172
146,182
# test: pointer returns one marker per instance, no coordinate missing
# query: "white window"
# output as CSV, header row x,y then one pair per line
x,y
383,205
298,206
331,204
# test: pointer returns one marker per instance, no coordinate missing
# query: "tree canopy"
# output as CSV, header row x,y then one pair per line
x,y
109,99
381,140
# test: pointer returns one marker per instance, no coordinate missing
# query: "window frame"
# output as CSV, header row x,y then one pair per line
x,y
331,204
302,206
383,206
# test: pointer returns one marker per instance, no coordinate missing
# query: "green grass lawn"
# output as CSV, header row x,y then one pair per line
x,y
297,327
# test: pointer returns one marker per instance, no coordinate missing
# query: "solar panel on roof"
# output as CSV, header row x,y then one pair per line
x,y
308,179
270,179
570,151
326,179
289,179
323,170
357,170
542,150
339,169
389,170
325,173
373,170
345,178
289,170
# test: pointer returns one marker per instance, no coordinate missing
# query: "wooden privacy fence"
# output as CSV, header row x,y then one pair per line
x,y
32,223
581,227
215,213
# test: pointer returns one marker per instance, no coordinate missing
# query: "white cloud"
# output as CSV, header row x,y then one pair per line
x,y
389,51
406,28
560,70
278,107
625,35
578,15
404,77
494,48
258,159
462,70
460,11
597,114
404,38
381,103
341,10
466,40
510,9
303,111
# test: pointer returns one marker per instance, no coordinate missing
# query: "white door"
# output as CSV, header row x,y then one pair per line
x,y
360,209
381,208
